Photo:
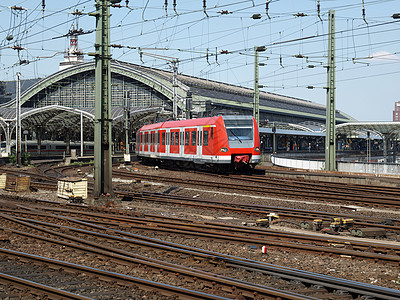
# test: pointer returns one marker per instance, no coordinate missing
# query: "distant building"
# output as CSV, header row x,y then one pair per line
x,y
4,95
73,55
396,112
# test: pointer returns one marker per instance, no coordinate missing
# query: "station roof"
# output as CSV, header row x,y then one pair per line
x,y
382,129
280,131
218,94
56,116
358,129
231,95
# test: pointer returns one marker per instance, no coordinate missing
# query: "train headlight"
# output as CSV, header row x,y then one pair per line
x,y
224,149
257,149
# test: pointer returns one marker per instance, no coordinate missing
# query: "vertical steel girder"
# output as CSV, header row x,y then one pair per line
x,y
330,137
103,118
256,103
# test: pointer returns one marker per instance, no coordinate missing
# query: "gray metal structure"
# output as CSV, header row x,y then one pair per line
x,y
330,139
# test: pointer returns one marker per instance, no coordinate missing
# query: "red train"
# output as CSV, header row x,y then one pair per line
x,y
216,143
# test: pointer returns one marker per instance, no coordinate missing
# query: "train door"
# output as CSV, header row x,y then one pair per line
x,y
190,141
167,141
208,138
146,142
141,142
152,141
174,141
162,138
199,143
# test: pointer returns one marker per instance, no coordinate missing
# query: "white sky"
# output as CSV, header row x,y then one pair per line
x,y
367,51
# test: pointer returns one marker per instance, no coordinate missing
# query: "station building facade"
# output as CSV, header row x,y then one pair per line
x,y
54,105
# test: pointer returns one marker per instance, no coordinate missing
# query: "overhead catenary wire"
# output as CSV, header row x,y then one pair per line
x,y
212,37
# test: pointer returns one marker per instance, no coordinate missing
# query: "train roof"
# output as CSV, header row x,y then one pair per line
x,y
183,123
193,122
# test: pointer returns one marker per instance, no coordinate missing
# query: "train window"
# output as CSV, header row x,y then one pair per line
x,y
176,138
163,138
205,138
187,137
172,139
158,138
193,138
212,132
239,130
182,138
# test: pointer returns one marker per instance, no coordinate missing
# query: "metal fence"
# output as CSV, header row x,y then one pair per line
x,y
350,167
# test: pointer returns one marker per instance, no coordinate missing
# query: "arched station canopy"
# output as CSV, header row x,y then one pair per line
x,y
150,87
60,118
388,130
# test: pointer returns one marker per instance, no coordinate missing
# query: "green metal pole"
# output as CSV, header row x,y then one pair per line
x,y
330,137
126,129
256,102
103,120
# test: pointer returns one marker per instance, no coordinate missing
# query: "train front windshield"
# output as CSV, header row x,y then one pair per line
x,y
239,131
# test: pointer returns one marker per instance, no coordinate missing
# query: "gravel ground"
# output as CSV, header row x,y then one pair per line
x,y
376,273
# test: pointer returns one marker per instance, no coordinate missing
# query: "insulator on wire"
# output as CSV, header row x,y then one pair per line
x,y
205,7
224,12
319,10
76,12
267,8
174,5
363,13
166,7
18,8
43,6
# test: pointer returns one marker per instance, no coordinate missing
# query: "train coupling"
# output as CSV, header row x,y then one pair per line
x,y
242,159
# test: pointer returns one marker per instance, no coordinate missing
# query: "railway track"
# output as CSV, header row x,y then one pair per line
x,y
258,210
124,226
88,236
285,190
91,282
321,244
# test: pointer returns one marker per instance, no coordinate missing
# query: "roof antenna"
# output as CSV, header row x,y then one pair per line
x,y
204,7
363,12
267,8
